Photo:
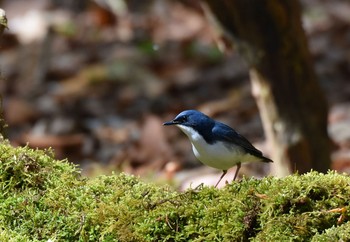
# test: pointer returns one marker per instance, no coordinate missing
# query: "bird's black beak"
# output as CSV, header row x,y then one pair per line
x,y
172,122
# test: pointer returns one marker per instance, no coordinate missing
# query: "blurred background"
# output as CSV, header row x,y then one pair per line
x,y
95,80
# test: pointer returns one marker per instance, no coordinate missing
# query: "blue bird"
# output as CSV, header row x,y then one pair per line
x,y
215,144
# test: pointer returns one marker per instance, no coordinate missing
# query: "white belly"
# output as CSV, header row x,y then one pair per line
x,y
218,155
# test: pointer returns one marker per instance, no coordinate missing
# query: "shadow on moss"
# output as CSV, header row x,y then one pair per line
x,y
43,199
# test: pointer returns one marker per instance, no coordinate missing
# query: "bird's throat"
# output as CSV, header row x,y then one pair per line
x,y
191,133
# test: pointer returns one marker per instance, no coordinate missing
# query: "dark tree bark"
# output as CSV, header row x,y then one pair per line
x,y
270,37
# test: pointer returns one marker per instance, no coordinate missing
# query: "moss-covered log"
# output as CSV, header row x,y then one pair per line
x,y
44,199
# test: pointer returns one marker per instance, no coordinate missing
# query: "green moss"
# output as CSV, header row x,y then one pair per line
x,y
335,233
43,199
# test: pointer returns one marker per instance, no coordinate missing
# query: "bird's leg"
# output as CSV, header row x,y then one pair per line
x,y
223,174
236,173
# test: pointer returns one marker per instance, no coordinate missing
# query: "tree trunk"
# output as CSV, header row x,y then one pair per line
x,y
269,35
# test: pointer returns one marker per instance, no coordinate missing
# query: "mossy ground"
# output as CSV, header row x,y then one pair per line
x,y
42,198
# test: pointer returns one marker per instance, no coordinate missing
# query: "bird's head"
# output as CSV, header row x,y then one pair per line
x,y
192,121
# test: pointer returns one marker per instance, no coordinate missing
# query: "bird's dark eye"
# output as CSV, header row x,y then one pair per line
x,y
181,119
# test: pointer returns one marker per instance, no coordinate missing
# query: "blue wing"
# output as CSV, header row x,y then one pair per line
x,y
227,134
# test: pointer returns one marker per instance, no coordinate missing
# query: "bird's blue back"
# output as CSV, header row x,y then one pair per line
x,y
225,133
